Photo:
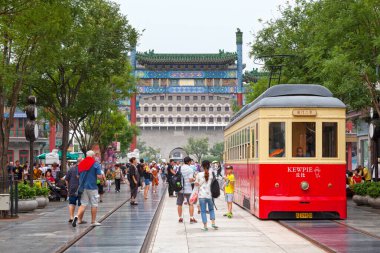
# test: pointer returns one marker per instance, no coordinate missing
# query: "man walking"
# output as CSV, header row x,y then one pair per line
x,y
134,179
171,173
72,183
188,177
140,169
89,171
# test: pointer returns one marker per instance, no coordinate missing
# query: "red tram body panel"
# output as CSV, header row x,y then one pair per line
x,y
272,191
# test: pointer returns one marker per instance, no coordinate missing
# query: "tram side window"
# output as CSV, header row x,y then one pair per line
x,y
303,139
276,139
257,141
329,139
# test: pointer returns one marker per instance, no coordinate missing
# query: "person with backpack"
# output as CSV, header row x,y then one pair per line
x,y
118,175
229,189
185,173
203,182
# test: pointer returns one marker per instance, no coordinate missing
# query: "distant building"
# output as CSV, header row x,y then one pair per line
x,y
18,146
185,95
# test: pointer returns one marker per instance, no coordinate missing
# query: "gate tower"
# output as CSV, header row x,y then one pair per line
x,y
185,95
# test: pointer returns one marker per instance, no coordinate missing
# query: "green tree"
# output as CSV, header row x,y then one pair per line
x,y
25,26
147,152
116,127
217,151
335,43
82,59
197,147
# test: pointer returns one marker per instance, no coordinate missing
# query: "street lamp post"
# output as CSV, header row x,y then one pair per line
x,y
31,131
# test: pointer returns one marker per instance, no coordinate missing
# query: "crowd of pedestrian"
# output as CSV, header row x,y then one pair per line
x,y
88,181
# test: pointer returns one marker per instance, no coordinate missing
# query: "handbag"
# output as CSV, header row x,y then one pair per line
x,y
194,195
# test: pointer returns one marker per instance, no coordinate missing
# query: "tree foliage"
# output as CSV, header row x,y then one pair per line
x,y
115,127
217,151
73,76
147,152
197,147
25,27
334,43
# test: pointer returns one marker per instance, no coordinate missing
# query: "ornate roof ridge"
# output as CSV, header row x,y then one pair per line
x,y
152,57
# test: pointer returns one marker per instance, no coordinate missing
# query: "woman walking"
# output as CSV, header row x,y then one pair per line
x,y
203,181
147,175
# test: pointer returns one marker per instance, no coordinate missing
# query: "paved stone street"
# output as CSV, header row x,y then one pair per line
x,y
243,233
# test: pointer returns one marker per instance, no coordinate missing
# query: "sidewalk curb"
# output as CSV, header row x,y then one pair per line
x,y
71,242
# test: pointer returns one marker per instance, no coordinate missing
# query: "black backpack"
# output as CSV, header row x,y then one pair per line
x,y
215,188
176,181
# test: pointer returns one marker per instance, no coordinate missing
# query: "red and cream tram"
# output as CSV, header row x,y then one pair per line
x,y
287,149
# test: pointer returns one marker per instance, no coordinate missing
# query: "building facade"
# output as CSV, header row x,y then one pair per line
x,y
185,95
18,148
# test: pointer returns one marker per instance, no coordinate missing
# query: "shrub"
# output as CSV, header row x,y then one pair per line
x,y
26,192
41,191
374,191
361,189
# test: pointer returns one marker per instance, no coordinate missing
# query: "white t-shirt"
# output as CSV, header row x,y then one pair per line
x,y
204,187
187,173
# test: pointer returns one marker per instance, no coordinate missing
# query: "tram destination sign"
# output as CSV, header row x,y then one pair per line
x,y
308,113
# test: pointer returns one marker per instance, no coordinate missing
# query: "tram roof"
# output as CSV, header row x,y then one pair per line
x,y
283,96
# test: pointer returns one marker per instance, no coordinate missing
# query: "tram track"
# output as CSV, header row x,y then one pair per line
x,y
311,230
74,240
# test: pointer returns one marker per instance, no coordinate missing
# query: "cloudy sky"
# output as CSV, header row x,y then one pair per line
x,y
198,26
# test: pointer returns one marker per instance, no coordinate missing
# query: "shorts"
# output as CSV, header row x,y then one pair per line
x,y
74,200
90,197
229,197
181,197
100,189
147,181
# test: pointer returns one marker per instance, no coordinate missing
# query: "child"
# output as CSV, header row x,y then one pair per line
x,y
229,190
357,178
109,178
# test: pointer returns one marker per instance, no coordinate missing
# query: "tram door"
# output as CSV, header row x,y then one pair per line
x,y
251,168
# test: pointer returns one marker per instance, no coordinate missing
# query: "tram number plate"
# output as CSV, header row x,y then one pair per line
x,y
304,215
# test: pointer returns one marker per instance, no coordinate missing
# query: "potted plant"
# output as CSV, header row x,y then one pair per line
x,y
42,194
360,192
26,198
373,192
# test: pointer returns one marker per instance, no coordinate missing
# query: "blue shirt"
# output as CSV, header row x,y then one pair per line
x,y
90,183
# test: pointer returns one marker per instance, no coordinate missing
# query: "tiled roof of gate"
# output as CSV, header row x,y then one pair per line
x,y
219,58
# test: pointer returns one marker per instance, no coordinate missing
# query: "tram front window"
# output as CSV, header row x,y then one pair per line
x,y
276,139
329,139
303,139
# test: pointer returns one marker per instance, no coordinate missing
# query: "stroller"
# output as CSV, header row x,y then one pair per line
x,y
57,192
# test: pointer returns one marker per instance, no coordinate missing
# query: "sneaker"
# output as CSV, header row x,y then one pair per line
x,y
193,220
82,222
180,220
214,227
71,220
229,215
74,223
96,224
226,214
204,229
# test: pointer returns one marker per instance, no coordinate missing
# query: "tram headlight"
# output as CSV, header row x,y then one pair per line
x,y
305,185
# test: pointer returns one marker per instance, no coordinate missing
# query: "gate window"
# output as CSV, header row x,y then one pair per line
x,y
276,139
303,139
329,139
